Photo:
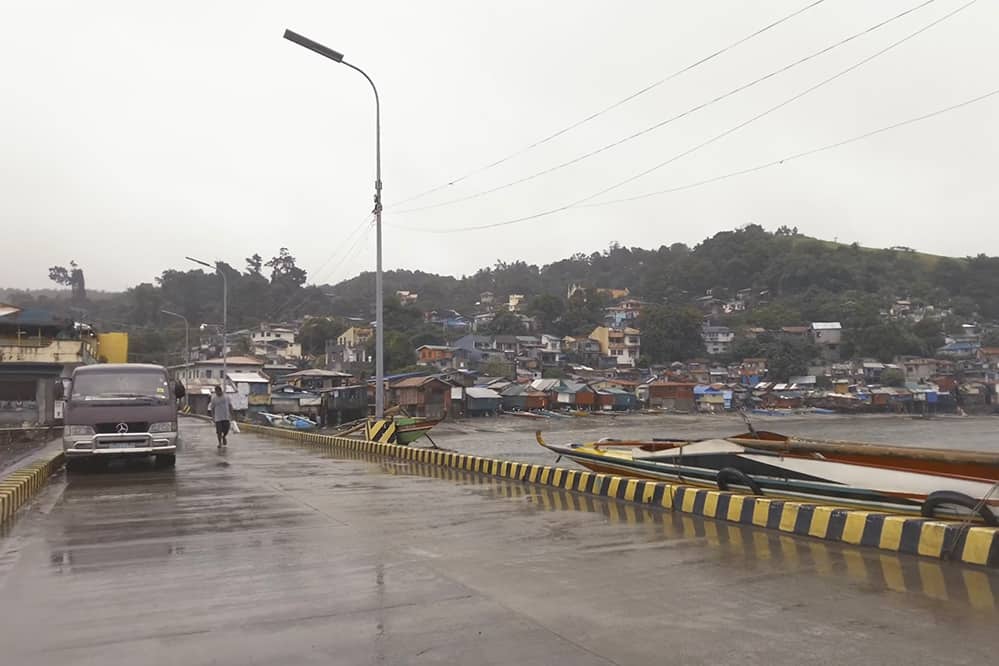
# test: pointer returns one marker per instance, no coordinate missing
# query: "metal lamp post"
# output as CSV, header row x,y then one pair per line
x,y
336,56
187,334
225,312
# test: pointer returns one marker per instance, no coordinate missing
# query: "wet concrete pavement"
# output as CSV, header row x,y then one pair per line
x,y
273,553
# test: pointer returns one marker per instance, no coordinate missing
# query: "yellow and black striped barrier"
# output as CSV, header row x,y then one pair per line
x,y
381,430
21,485
917,536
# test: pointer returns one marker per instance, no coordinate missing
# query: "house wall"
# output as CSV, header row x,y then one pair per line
x,y
33,350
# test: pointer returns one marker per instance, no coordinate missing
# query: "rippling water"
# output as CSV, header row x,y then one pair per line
x,y
512,437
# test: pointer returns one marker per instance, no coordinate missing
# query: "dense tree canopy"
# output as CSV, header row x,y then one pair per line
x,y
790,279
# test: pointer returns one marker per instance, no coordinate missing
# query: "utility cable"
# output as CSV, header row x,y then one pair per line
x,y
613,106
336,253
731,130
813,151
683,114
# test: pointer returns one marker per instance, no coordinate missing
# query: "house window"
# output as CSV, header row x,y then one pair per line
x,y
208,374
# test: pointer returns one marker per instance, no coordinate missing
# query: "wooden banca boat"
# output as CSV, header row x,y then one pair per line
x,y
399,429
930,482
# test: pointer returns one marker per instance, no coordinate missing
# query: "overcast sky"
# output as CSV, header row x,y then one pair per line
x,y
135,133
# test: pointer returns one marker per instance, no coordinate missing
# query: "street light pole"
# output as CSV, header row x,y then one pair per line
x,y
225,313
336,56
187,335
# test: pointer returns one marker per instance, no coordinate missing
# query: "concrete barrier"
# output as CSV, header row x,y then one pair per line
x,y
21,485
936,539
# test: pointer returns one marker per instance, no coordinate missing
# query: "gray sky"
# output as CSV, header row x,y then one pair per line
x,y
134,135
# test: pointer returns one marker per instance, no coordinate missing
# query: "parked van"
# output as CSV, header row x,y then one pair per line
x,y
120,409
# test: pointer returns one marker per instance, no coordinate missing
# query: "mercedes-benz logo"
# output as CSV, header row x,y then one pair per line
x,y
121,428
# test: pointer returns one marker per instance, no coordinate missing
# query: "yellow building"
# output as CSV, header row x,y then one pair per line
x,y
354,336
624,345
112,347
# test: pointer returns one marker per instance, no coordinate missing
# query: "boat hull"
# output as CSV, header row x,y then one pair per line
x,y
792,477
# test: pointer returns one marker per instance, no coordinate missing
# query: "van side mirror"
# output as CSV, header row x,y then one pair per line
x,y
178,390
60,390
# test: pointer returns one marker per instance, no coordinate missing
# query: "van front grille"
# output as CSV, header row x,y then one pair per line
x,y
112,428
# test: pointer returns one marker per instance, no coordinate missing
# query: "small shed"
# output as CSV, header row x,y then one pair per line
x,y
344,404
482,401
577,395
616,399
523,398
422,396
252,394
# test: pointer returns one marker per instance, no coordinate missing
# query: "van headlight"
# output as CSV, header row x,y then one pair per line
x,y
163,426
78,430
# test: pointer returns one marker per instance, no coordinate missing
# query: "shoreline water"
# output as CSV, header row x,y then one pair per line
x,y
513,438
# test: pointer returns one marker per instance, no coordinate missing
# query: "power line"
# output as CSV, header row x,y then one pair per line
x,y
663,123
301,301
578,202
366,221
813,151
613,106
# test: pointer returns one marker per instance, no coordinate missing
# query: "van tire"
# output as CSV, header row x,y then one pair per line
x,y
166,460
935,499
730,475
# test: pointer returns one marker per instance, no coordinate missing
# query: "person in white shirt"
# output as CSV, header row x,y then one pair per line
x,y
221,414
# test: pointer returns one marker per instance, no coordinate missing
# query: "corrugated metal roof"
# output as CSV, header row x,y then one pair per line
x,y
479,393
247,378
826,326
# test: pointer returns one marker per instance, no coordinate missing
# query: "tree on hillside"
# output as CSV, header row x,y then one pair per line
x,y
892,377
71,277
316,331
505,323
547,308
254,265
787,357
883,341
284,269
671,333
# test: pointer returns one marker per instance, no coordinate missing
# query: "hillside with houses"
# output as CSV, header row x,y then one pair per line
x,y
746,319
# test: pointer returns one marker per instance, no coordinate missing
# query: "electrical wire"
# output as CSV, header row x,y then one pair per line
x,y
613,106
731,130
663,123
813,151
365,222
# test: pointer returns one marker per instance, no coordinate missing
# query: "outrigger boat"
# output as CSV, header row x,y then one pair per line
x,y
930,482
289,421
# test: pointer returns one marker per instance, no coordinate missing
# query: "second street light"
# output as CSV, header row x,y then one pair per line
x,y
336,56
225,311
187,335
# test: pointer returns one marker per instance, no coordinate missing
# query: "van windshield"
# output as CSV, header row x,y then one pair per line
x,y
120,386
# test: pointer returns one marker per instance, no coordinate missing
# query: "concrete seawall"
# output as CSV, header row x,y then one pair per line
x,y
935,539
21,485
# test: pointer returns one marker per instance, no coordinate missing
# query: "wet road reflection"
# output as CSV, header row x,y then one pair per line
x,y
279,553
879,571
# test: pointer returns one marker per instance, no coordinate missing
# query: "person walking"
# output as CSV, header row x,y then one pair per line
x,y
221,414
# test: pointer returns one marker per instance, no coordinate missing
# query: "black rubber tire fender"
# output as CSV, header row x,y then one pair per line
x,y
731,475
935,499
166,461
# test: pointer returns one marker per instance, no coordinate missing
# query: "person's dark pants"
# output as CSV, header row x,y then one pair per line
x,y
221,429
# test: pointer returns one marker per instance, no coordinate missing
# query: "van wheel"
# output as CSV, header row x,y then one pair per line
x,y
951,498
730,475
166,460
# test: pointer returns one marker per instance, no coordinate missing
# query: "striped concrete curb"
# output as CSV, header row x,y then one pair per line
x,y
900,534
21,485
